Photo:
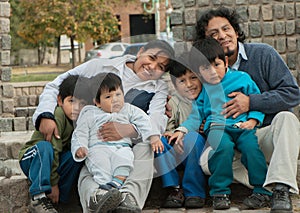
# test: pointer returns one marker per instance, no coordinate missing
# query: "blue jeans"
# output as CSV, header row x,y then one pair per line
x,y
37,164
193,182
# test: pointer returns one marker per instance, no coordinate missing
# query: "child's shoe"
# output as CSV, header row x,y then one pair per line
x,y
257,201
105,200
42,205
221,201
194,202
175,199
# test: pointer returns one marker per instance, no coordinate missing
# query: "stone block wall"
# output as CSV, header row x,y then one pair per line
x,y
5,41
276,22
17,105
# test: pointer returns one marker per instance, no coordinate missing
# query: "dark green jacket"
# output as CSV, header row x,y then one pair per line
x,y
65,128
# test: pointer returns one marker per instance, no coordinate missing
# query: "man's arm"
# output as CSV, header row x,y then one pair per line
x,y
279,89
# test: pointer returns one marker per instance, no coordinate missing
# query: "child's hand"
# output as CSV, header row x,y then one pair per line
x,y
177,140
81,152
156,144
250,124
168,134
54,195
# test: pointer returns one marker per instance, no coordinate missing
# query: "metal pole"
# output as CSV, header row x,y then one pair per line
x,y
168,29
157,19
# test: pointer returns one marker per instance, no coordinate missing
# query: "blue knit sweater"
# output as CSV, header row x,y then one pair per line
x,y
279,88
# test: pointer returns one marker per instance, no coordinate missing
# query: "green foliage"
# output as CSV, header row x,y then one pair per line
x,y
43,20
17,13
40,22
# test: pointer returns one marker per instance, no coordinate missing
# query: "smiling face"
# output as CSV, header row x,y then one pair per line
x,y
150,64
220,29
71,106
188,85
215,73
111,101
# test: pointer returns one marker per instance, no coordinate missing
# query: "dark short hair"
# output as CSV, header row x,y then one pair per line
x,y
228,13
179,67
67,86
204,52
105,82
164,47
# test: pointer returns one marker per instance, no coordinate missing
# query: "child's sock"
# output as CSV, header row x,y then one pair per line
x,y
116,182
38,196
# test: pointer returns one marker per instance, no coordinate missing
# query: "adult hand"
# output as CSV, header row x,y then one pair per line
x,y
48,128
236,106
54,195
113,131
168,107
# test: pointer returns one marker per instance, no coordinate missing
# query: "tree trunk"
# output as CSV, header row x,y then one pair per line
x,y
79,52
58,57
73,51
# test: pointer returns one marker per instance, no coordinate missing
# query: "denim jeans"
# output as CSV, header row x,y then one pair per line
x,y
37,164
193,182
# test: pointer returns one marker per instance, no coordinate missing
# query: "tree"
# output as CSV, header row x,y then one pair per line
x,y
45,20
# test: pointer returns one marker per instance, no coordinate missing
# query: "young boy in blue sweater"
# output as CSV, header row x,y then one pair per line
x,y
225,135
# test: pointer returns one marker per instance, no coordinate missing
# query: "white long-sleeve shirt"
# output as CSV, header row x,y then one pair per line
x,y
130,80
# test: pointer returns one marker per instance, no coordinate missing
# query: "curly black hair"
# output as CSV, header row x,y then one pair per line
x,y
228,13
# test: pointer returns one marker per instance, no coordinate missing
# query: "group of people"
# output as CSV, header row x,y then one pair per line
x,y
107,126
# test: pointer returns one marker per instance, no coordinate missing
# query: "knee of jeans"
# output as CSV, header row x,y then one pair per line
x,y
194,138
44,146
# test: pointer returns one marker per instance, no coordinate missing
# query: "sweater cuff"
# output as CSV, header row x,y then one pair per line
x,y
182,129
254,102
48,115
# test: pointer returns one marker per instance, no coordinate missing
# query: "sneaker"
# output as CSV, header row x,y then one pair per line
x,y
104,200
257,201
221,201
175,199
42,205
281,201
194,202
128,205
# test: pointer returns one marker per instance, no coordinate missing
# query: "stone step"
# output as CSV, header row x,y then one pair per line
x,y
14,196
11,143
